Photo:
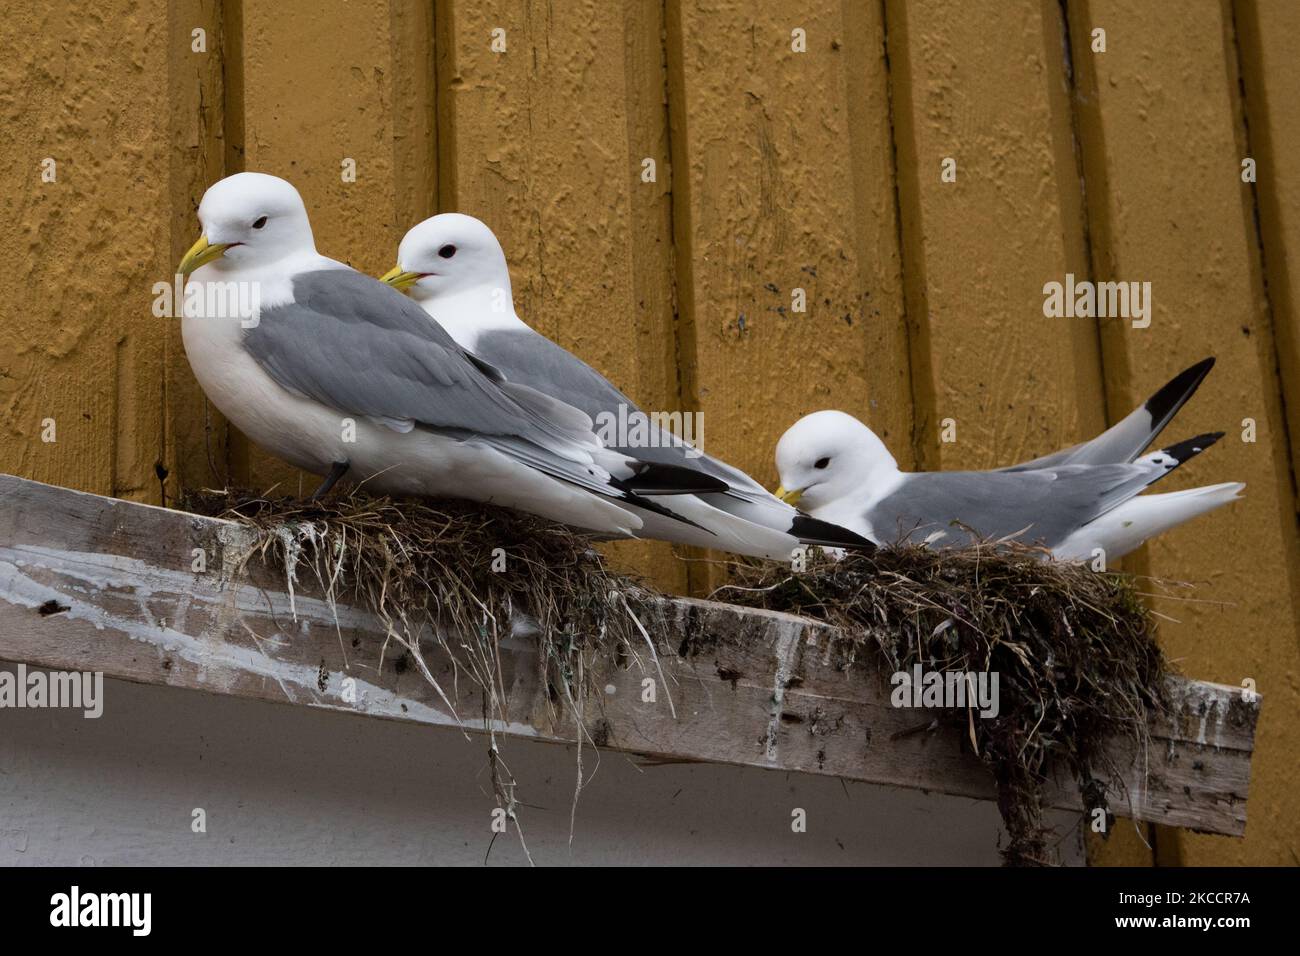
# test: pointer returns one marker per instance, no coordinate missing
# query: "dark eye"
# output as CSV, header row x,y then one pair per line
x,y
821,462
447,251
260,223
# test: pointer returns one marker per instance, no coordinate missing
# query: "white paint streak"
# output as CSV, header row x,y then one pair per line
x,y
219,662
110,572
787,645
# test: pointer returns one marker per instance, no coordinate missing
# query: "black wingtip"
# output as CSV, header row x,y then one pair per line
x,y
812,531
649,505
1165,403
1191,447
654,478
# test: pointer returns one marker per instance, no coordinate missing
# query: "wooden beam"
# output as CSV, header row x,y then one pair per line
x,y
97,584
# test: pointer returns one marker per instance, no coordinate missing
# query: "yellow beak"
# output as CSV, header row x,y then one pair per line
x,y
789,497
399,280
200,254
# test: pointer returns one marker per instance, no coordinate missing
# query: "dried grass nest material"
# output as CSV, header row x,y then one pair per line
x,y
1074,648
454,565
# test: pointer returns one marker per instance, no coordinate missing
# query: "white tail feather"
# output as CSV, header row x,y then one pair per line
x,y
1125,528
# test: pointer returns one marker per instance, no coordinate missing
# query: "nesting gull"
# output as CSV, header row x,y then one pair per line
x,y
1078,503
455,268
342,376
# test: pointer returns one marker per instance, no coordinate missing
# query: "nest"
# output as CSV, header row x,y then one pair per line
x,y
1074,649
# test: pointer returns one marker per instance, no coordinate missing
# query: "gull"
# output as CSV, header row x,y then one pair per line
x,y
453,266
1079,503
342,376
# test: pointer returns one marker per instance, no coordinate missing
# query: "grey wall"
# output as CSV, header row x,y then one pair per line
x,y
285,785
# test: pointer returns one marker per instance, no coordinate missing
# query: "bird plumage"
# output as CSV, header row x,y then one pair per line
x,y
1081,500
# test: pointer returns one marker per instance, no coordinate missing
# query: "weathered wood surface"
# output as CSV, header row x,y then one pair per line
x,y
99,584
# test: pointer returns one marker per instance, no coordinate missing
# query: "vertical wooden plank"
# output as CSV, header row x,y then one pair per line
x,y
650,245
782,181
770,197
1268,37
653,285
1163,141
82,87
318,89
984,86
863,85
195,434
543,141
415,122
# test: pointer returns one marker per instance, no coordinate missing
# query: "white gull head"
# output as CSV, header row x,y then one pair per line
x,y
448,255
454,267
829,457
247,219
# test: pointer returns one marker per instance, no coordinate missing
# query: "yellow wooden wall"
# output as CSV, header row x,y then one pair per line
x,y
776,170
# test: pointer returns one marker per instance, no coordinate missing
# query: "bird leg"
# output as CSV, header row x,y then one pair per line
x,y
337,470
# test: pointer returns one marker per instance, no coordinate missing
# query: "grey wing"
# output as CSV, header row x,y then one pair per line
x,y
530,358
1043,506
360,346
